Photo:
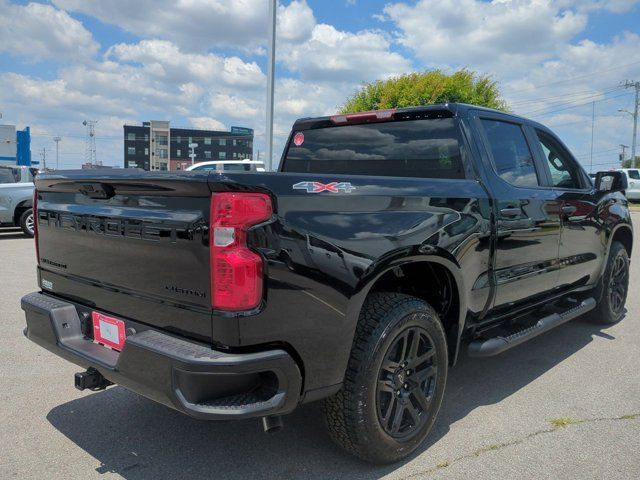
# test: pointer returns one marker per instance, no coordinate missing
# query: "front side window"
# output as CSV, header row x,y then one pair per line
x,y
563,171
512,158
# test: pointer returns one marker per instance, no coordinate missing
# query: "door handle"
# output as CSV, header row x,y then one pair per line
x,y
511,212
569,209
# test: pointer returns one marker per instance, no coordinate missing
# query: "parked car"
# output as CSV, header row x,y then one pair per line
x,y
633,180
16,198
229,166
387,242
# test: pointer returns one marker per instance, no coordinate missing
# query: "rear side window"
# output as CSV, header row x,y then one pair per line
x,y
236,167
9,175
512,157
426,148
633,174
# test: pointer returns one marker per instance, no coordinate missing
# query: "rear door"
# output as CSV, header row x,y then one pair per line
x,y
528,224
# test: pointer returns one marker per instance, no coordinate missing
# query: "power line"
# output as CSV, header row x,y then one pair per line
x,y
586,75
542,113
565,96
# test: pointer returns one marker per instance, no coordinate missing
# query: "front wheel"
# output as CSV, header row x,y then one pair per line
x,y
394,382
27,222
614,286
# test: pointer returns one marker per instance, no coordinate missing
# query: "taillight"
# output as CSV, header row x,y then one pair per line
x,y
35,223
236,271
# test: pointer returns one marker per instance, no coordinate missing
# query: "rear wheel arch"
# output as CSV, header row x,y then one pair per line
x,y
434,279
19,210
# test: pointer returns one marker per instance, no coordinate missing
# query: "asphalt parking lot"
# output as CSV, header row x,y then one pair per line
x,y
565,405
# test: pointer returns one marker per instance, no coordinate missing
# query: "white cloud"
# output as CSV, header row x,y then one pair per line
x,y
295,21
207,123
43,32
194,25
233,106
164,61
334,55
497,35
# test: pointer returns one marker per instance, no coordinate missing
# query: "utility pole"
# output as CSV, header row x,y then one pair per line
x,y
44,159
271,63
636,85
57,140
593,120
623,155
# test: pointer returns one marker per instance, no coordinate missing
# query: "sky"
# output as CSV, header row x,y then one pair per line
x,y
202,63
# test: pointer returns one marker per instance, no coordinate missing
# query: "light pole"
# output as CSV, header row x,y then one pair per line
x,y
192,154
57,140
271,64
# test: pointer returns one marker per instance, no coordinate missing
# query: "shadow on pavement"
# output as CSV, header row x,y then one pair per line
x,y
139,439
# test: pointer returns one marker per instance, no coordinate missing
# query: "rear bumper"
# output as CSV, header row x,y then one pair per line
x,y
181,374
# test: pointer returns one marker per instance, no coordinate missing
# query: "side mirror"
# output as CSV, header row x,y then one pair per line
x,y
613,181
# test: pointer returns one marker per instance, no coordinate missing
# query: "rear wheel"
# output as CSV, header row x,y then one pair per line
x,y
394,382
614,286
27,222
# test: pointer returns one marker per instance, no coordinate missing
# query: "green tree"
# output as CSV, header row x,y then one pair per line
x,y
424,88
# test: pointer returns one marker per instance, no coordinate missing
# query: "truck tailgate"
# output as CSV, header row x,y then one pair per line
x,y
133,245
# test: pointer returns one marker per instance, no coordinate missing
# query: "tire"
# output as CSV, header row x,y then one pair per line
x,y
363,416
613,288
27,222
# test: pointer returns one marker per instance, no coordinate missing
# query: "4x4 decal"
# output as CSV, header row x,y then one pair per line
x,y
317,187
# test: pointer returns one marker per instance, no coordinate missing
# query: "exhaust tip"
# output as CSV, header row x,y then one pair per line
x,y
272,423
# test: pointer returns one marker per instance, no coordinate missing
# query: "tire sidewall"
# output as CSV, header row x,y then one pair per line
x,y
388,448
23,222
607,315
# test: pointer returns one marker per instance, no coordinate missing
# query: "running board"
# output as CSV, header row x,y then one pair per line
x,y
496,345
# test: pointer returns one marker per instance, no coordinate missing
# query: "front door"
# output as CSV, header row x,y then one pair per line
x,y
581,245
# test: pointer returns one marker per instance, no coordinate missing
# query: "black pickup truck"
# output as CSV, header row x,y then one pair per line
x,y
387,242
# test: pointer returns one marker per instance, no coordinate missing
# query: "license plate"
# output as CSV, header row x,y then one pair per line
x,y
108,331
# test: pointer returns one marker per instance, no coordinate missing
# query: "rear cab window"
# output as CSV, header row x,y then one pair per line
x,y
423,148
